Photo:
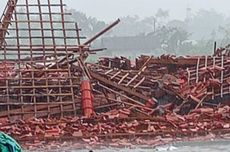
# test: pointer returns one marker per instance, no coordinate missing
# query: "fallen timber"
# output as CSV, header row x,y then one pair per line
x,y
49,93
116,125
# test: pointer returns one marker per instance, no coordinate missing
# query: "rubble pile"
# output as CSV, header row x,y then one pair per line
x,y
187,82
48,92
120,124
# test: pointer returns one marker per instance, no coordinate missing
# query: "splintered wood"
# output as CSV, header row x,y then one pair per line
x,y
42,67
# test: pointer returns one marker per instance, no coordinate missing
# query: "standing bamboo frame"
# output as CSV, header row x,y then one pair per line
x,y
36,78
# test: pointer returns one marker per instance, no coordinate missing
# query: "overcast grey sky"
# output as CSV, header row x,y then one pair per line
x,y
109,10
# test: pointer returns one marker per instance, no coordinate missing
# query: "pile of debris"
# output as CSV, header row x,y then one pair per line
x,y
49,93
120,124
188,82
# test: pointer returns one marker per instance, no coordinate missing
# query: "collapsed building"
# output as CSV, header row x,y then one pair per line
x,y
39,55
48,91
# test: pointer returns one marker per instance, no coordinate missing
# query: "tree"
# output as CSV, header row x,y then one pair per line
x,y
161,16
162,13
90,25
203,23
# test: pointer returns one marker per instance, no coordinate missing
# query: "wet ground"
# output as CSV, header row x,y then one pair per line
x,y
207,146
198,146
